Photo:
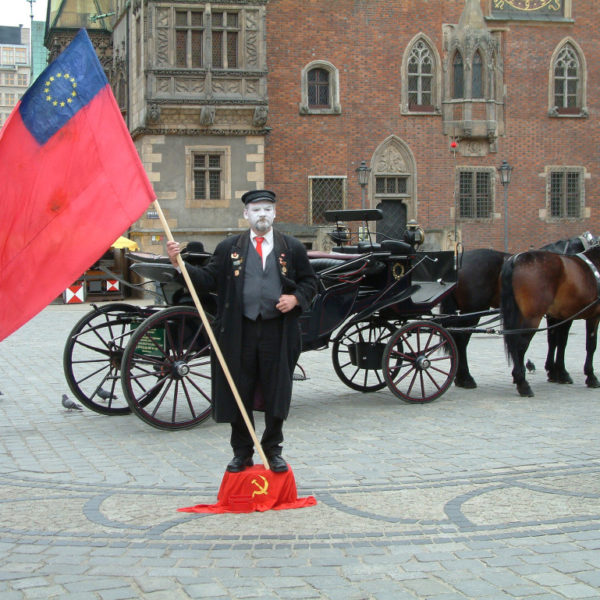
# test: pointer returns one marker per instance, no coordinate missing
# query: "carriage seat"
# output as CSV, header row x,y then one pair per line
x,y
396,247
320,261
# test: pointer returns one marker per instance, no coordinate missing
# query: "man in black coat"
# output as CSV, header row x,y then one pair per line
x,y
263,281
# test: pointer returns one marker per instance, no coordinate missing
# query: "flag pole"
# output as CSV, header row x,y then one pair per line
x,y
212,338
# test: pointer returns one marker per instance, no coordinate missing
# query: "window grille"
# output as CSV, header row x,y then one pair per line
x,y
475,195
318,88
565,194
188,38
391,185
566,78
207,176
326,193
420,76
225,35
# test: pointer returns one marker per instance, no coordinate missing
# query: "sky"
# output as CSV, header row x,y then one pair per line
x,y
16,12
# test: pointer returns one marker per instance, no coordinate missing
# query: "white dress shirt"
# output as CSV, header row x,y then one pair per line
x,y
267,245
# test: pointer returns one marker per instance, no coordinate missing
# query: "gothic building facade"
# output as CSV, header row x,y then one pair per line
x,y
223,97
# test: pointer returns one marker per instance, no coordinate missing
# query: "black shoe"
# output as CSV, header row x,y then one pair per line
x,y
277,464
239,463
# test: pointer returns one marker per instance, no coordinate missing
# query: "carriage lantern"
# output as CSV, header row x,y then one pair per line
x,y
414,234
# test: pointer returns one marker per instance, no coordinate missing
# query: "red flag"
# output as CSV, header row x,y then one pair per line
x,y
71,182
255,489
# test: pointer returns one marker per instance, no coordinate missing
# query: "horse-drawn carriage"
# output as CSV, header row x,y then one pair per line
x,y
375,306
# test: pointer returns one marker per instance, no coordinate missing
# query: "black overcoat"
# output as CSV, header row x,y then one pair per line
x,y
224,274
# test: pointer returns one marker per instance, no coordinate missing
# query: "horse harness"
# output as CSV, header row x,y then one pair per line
x,y
593,267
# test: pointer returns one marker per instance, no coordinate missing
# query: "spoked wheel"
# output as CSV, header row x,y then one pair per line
x,y
166,370
92,357
420,361
357,354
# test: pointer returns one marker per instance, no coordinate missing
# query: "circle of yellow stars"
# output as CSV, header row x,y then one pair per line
x,y
57,101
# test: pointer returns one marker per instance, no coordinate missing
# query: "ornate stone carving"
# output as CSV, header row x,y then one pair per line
x,y
153,114
252,48
391,161
162,46
227,86
207,115
260,116
163,85
189,85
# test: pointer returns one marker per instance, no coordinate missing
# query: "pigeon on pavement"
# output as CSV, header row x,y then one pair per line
x,y
69,404
105,395
530,366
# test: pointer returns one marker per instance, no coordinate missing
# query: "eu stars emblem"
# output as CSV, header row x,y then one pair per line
x,y
66,86
60,89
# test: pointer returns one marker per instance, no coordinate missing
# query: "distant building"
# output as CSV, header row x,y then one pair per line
x,y
39,53
15,67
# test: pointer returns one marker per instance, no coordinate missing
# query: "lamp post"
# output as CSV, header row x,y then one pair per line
x,y
31,72
363,178
505,171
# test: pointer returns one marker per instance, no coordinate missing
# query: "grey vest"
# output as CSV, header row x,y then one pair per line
x,y
262,288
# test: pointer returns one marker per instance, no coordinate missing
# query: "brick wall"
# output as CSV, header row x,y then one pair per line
x,y
366,41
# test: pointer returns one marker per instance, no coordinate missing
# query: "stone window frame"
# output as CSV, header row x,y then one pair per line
x,y
436,79
225,200
545,214
334,107
492,198
312,179
581,110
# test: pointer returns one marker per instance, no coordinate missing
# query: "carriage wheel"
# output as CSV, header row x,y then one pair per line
x,y
420,362
357,353
166,370
92,357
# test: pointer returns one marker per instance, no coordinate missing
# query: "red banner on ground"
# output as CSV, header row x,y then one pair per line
x,y
255,489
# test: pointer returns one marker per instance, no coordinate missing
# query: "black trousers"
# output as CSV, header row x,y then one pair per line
x,y
261,341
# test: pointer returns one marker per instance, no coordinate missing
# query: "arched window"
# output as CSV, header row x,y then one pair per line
x,y
457,76
320,87
420,77
566,79
477,76
420,74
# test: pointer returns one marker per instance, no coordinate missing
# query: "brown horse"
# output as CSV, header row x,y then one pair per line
x,y
478,289
538,283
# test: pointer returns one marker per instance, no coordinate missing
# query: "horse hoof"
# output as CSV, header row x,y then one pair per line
x,y
525,390
467,384
564,379
592,383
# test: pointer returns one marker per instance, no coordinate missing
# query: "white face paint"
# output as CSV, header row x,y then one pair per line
x,y
260,215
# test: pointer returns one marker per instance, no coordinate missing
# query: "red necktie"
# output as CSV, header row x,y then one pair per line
x,y
259,240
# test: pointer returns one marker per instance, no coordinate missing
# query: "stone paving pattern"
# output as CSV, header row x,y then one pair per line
x,y
480,494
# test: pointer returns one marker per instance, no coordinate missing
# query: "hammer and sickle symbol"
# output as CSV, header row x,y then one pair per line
x,y
260,489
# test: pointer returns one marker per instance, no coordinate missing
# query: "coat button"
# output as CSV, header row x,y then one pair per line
x,y
226,304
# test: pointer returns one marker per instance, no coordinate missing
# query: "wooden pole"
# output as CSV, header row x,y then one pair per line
x,y
212,338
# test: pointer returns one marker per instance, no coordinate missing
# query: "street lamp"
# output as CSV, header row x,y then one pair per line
x,y
363,178
505,171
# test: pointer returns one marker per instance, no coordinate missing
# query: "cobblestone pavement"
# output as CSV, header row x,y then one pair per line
x,y
480,494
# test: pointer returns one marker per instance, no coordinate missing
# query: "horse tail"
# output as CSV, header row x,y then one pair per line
x,y
509,309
